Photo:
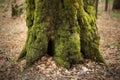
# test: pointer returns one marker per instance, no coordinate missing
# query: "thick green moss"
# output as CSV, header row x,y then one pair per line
x,y
67,49
62,62
37,45
30,12
22,54
67,43
89,36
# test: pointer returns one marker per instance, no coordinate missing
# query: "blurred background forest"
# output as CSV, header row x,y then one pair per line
x,y
13,32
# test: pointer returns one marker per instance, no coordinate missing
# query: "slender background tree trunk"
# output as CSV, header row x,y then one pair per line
x,y
106,5
116,4
96,7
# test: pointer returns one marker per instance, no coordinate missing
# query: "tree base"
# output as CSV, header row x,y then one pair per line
x,y
65,29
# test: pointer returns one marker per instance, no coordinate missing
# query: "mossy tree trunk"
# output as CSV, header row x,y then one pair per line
x,y
116,5
64,29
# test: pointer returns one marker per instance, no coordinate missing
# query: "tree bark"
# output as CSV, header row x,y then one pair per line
x,y
106,5
116,4
65,29
96,7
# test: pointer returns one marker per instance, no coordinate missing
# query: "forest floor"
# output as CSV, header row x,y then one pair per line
x,y
12,38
